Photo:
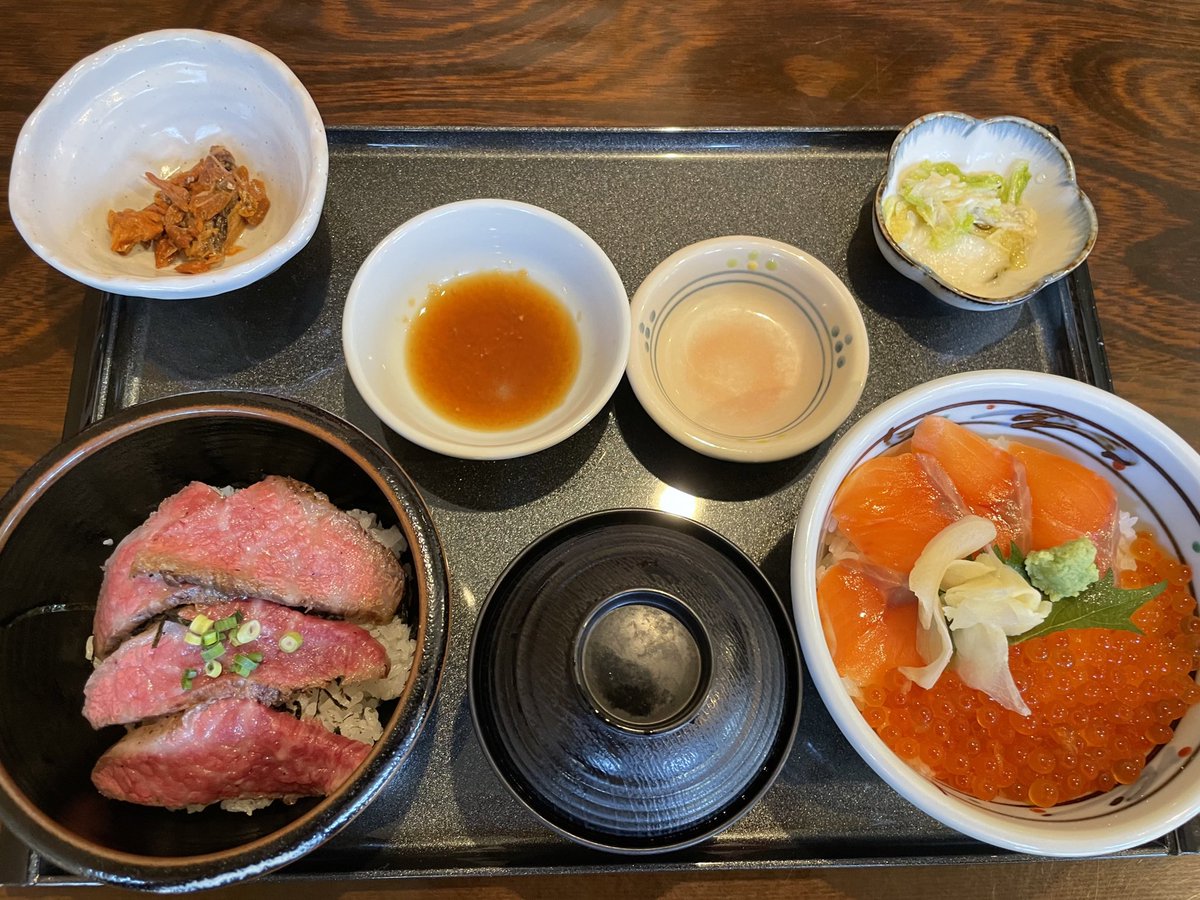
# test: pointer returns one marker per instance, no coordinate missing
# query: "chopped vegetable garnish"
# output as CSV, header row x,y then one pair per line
x,y
243,664
186,681
194,639
209,638
201,624
228,623
249,631
291,642
211,653
255,657
212,668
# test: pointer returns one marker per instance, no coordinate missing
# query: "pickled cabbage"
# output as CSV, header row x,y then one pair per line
x,y
969,227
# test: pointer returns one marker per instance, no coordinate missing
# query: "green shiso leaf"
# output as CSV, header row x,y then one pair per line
x,y
1102,605
1014,560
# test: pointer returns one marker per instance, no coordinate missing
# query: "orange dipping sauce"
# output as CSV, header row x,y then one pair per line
x,y
493,350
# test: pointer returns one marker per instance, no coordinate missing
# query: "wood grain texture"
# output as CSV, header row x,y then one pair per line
x,y
1120,78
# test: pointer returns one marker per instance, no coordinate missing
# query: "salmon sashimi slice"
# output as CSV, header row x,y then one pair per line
x,y
868,633
990,480
1069,501
890,507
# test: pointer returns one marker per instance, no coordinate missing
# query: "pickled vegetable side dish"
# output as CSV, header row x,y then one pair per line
x,y
1001,625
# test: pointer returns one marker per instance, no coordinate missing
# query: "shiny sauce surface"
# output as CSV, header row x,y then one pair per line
x,y
492,350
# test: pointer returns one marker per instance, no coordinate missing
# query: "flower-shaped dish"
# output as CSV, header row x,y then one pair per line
x,y
1066,222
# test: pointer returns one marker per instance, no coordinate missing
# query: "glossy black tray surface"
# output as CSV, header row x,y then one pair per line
x,y
641,195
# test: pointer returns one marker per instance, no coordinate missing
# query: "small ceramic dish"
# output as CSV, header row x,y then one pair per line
x,y
1157,479
746,349
394,284
57,526
156,103
635,681
1066,222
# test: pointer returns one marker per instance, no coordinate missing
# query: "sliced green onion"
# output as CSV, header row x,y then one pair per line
x,y
209,638
226,624
248,631
211,653
201,624
212,668
186,681
243,664
194,639
291,642
255,657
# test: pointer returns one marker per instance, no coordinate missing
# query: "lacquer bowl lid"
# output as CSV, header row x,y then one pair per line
x,y
635,681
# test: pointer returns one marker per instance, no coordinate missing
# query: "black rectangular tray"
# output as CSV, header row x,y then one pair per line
x,y
641,194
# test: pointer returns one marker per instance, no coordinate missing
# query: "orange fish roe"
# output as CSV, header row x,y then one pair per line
x,y
1101,701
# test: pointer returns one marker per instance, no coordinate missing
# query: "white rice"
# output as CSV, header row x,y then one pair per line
x,y
352,710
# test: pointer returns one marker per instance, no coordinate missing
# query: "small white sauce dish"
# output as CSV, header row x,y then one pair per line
x,y
1066,220
746,349
1156,475
156,103
469,237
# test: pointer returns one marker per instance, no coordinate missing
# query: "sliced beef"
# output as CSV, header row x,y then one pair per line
x,y
127,601
225,750
132,601
141,681
278,539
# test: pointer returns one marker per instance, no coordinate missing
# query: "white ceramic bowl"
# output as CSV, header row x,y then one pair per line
x,y
1157,476
468,237
1066,221
156,103
746,349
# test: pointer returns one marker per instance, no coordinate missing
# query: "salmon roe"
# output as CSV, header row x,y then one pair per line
x,y
1100,700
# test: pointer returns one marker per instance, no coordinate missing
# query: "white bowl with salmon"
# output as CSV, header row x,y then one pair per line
x,y
992,577
237,606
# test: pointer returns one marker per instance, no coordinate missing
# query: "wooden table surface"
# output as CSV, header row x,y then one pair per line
x,y
1120,78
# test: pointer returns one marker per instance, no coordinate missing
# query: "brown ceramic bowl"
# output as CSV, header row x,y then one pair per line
x,y
53,524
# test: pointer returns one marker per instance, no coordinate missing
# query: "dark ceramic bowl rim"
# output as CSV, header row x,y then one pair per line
x,y
177,874
789,648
